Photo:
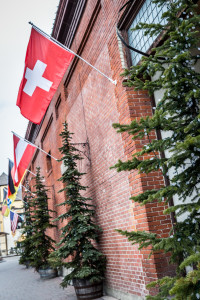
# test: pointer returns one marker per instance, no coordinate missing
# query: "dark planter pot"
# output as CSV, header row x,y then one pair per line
x,y
48,273
27,264
85,290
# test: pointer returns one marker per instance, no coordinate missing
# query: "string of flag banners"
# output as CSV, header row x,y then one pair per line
x,y
46,62
14,217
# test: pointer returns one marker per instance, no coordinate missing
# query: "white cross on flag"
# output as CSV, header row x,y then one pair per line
x,y
45,65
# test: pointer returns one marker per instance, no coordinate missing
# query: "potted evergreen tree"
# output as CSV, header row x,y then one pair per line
x,y
86,264
42,243
26,246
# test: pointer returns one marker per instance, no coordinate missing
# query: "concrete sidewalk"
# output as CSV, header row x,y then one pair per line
x,y
19,283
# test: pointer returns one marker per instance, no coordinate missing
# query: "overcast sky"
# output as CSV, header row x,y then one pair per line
x,y
14,36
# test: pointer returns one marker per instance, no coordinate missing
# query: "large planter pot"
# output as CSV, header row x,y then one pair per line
x,y
47,273
85,290
27,264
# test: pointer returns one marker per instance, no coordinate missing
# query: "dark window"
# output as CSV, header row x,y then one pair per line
x,y
57,106
65,93
49,162
66,25
20,220
34,158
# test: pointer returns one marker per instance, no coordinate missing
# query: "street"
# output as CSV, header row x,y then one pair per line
x,y
19,283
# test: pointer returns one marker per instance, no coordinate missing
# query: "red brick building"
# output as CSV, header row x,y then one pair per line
x,y
91,104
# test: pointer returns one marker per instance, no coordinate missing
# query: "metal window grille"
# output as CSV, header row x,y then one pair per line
x,y
149,13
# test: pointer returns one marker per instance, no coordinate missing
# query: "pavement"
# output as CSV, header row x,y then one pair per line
x,y
19,283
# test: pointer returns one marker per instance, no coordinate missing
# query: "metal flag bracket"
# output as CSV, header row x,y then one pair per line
x,y
85,151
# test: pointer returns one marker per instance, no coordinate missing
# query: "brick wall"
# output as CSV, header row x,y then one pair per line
x,y
91,104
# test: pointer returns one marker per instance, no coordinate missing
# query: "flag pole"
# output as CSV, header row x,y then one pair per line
x,y
21,138
30,172
27,190
71,51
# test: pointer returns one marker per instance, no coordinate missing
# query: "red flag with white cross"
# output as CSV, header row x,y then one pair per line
x,y
45,65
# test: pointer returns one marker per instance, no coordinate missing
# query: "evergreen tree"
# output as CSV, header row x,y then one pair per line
x,y
80,235
26,247
42,243
178,114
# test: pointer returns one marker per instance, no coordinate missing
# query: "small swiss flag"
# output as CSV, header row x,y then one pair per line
x,y
45,65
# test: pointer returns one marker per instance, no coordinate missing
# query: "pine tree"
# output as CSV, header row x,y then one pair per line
x,y
178,114
42,243
26,247
80,235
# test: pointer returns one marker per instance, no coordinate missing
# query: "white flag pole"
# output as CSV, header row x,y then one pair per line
x,y
30,172
69,50
27,190
21,138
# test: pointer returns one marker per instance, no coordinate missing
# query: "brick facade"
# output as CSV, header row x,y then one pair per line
x,y
91,104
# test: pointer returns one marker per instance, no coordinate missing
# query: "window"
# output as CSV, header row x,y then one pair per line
x,y
20,220
145,12
65,93
57,106
148,13
34,159
49,162
46,130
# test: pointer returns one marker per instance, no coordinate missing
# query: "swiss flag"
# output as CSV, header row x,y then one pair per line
x,y
23,153
45,65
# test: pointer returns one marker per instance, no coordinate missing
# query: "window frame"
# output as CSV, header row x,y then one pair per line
x,y
57,105
49,162
124,24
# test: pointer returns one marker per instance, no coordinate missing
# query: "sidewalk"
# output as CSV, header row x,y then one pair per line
x,y
19,283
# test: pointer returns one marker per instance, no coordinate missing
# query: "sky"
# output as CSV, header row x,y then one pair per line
x,y
14,37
